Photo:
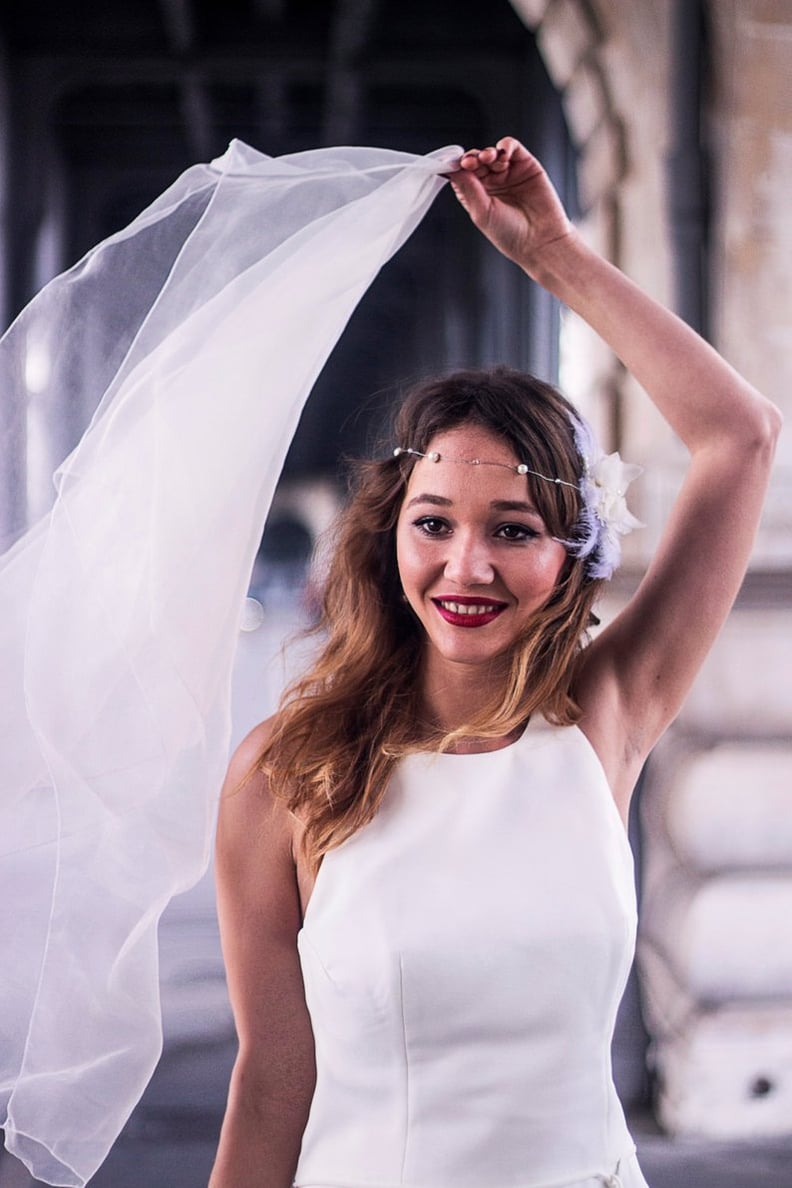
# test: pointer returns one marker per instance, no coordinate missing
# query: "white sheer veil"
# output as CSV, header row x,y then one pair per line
x,y
196,334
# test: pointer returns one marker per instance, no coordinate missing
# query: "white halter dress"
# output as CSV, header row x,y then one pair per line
x,y
464,956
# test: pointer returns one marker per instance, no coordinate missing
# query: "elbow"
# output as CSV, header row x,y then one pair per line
x,y
760,432
771,422
776,422
745,443
771,430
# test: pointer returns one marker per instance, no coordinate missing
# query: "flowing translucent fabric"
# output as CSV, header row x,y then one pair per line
x,y
196,334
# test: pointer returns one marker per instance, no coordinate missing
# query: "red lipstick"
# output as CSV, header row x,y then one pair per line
x,y
482,610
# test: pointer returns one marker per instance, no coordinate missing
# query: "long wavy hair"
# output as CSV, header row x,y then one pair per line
x,y
344,724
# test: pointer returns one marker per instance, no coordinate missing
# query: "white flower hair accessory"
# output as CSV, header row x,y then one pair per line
x,y
605,517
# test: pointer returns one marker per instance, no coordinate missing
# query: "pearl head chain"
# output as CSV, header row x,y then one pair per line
x,y
520,468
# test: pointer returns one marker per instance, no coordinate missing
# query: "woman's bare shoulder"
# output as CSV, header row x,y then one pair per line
x,y
249,812
243,761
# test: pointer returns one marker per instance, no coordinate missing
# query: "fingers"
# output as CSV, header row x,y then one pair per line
x,y
495,159
475,166
508,146
483,161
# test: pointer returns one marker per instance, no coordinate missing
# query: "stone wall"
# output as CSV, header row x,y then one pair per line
x,y
612,60
721,1042
752,257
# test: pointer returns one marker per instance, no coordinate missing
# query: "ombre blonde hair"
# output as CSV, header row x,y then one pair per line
x,y
344,724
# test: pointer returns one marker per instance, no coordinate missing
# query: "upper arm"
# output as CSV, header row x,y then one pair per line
x,y
260,916
636,674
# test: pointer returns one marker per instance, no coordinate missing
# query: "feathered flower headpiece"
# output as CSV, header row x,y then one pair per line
x,y
605,517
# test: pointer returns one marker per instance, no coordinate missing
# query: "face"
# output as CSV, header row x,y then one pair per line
x,y
475,558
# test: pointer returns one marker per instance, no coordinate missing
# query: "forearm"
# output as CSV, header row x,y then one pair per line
x,y
701,396
260,1139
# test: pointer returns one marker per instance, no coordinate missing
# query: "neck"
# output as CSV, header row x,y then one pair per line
x,y
452,694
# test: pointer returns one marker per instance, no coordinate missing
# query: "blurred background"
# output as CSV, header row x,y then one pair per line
x,y
667,127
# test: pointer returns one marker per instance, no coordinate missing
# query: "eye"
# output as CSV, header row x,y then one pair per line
x,y
432,525
516,532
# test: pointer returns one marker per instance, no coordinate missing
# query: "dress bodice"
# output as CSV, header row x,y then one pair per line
x,y
464,956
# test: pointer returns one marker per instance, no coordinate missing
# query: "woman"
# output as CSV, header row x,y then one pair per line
x,y
466,944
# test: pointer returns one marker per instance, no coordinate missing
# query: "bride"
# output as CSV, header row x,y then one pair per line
x,y
424,883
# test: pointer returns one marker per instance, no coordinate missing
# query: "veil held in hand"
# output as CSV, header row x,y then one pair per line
x,y
195,334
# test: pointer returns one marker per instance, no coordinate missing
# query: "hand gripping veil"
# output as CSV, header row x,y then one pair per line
x,y
196,334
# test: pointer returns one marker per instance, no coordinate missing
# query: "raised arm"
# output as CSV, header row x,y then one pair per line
x,y
259,908
639,670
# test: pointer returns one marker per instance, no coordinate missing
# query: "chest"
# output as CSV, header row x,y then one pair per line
x,y
481,878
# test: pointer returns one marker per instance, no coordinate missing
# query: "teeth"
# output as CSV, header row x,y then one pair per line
x,y
464,608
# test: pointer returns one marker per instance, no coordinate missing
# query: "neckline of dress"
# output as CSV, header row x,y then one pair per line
x,y
532,726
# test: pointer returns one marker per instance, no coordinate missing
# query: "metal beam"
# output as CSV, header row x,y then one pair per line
x,y
177,17
196,108
269,10
344,87
296,64
687,165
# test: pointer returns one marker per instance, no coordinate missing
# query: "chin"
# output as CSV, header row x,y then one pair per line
x,y
475,657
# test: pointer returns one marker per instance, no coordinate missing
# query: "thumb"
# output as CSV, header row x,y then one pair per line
x,y
471,194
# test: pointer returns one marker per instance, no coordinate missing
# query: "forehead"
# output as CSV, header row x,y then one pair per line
x,y
459,449
473,441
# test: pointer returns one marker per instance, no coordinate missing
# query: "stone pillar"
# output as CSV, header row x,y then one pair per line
x,y
12,407
752,264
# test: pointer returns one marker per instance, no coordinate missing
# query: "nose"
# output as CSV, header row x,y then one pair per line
x,y
468,561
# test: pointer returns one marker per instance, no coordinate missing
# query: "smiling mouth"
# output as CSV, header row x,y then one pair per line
x,y
468,612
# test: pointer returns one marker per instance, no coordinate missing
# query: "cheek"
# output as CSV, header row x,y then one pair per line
x,y
405,559
408,563
551,568
416,562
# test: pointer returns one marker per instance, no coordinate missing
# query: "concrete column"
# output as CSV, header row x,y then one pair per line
x,y
12,406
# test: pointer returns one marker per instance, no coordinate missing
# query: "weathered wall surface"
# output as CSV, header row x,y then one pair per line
x,y
719,1039
612,61
752,262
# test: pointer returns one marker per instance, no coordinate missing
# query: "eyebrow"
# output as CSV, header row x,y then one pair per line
x,y
515,505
